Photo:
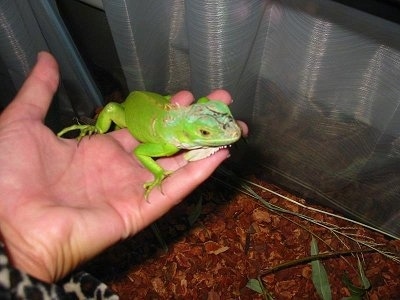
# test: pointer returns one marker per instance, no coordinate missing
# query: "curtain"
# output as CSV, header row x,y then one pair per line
x,y
317,82
27,27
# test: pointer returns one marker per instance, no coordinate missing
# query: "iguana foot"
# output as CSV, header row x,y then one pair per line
x,y
158,179
84,130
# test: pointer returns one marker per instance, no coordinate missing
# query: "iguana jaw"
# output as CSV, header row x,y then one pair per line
x,y
200,153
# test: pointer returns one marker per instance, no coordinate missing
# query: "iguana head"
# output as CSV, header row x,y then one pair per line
x,y
209,124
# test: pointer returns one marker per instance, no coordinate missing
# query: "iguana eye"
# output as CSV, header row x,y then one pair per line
x,y
204,132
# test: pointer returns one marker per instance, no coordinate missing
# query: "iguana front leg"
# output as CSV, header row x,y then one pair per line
x,y
145,153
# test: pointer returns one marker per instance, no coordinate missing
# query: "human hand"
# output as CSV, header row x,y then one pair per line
x,y
61,203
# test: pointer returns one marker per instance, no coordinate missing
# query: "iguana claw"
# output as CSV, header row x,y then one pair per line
x,y
84,130
159,178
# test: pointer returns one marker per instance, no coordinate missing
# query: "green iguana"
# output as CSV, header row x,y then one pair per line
x,y
164,128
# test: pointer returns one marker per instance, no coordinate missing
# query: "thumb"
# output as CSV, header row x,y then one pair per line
x,y
34,97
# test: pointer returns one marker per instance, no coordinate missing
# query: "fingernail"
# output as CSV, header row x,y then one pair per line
x,y
41,54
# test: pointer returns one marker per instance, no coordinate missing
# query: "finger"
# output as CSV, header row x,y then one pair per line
x,y
220,95
34,97
184,98
181,183
125,138
243,126
185,179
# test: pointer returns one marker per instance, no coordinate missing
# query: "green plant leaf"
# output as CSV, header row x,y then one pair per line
x,y
354,290
353,298
357,293
319,275
255,285
364,280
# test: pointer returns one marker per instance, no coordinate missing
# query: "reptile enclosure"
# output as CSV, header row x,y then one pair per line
x,y
317,81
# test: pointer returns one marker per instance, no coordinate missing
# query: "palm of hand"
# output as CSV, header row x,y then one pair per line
x,y
62,203
70,194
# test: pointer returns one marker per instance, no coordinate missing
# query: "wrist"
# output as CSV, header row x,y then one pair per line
x,y
24,257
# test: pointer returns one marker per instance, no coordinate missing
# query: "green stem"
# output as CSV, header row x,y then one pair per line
x,y
311,258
